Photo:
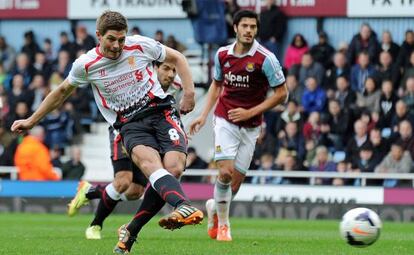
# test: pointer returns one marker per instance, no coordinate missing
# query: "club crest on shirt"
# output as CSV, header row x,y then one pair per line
x,y
218,148
131,62
250,67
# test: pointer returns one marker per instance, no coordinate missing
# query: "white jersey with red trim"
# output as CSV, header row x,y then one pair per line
x,y
124,86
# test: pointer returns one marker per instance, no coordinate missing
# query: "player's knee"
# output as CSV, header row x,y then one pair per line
x,y
225,174
175,168
121,185
134,193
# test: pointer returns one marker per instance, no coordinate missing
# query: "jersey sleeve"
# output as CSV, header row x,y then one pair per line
x,y
77,75
273,71
152,49
218,75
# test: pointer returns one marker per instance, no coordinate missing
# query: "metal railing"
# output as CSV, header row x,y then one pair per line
x,y
276,173
14,173
312,175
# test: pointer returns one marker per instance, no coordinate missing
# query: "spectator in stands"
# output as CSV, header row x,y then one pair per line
x,y
325,137
74,168
5,109
230,8
3,76
388,45
82,109
193,161
369,98
339,121
341,167
387,70
21,111
310,147
32,158
365,163
84,40
408,96
63,64
266,143
381,146
340,68
310,68
370,119
266,164
345,96
67,45
295,90
387,103
273,25
290,139
406,139
42,65
30,46
38,88
295,51
8,145
159,36
22,67
323,52
48,50
360,138
290,114
311,128
406,49
19,93
396,161
7,55
135,30
364,41
401,113
408,71
361,71
323,164
58,126
314,97
55,156
174,44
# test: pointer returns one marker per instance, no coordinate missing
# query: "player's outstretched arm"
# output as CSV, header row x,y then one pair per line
x,y
213,94
279,96
183,70
51,102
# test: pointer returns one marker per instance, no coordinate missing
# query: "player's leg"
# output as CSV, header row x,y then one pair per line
x,y
227,141
238,172
140,141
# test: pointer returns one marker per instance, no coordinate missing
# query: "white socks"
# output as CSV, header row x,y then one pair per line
x,y
222,197
112,193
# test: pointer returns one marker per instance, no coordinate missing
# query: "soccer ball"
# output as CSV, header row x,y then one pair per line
x,y
360,227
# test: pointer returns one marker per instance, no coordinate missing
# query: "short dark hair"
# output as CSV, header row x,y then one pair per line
x,y
245,14
110,20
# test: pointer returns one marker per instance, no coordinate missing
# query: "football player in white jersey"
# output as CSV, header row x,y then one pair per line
x,y
129,182
131,99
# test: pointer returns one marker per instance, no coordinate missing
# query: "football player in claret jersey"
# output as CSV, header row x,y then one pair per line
x,y
130,98
129,182
244,71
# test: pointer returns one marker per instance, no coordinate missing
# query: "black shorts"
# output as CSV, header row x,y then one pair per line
x,y
161,130
121,161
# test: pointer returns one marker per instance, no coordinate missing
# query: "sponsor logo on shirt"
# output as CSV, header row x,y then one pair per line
x,y
237,80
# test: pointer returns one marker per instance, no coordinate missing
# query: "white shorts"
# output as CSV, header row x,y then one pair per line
x,y
234,142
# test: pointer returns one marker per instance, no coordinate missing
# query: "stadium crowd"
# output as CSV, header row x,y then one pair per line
x,y
350,109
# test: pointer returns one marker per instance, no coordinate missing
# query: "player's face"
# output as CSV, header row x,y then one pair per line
x,y
246,30
166,73
112,43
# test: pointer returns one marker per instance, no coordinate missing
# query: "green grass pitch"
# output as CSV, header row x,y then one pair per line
x,y
58,234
